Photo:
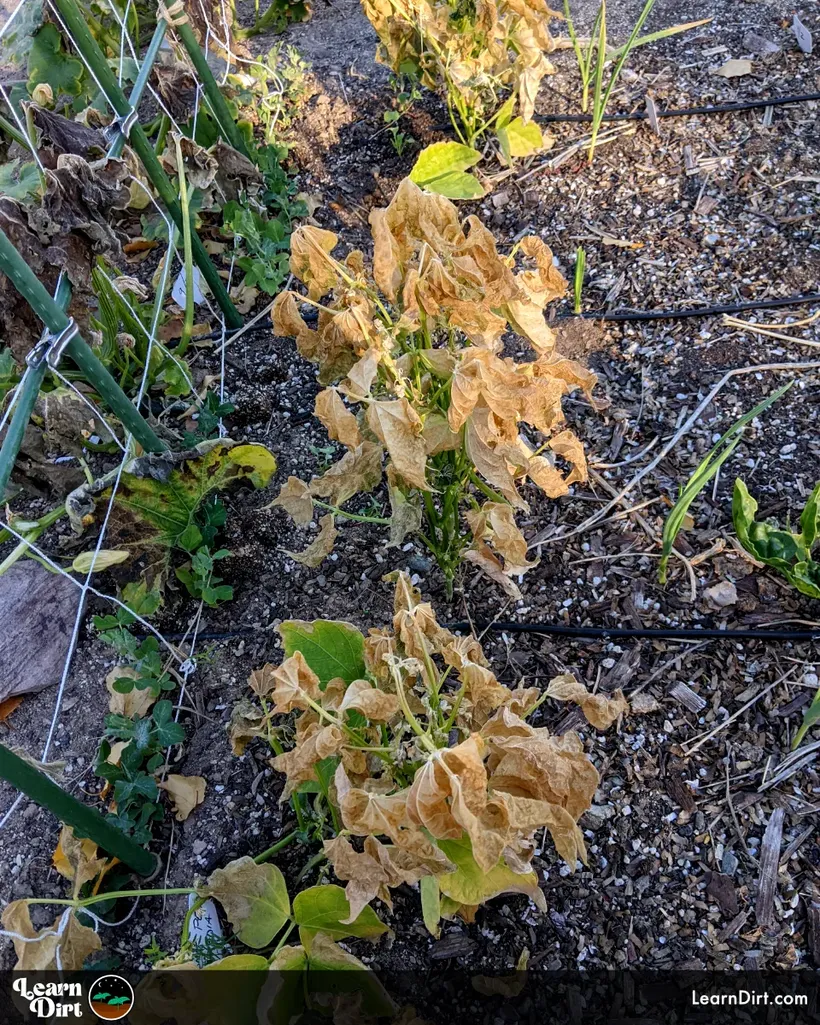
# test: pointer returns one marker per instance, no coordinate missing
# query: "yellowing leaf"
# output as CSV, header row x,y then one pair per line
x,y
321,546
601,711
309,259
405,512
77,860
443,160
471,885
64,945
336,418
399,426
332,648
358,470
135,702
520,140
295,498
255,899
186,792
96,562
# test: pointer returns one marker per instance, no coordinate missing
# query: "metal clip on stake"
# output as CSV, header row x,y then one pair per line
x,y
51,347
122,125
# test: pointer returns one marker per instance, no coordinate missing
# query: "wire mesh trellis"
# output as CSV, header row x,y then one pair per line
x,y
21,399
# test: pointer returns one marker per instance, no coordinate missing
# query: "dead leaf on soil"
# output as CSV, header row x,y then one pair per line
x,y
185,792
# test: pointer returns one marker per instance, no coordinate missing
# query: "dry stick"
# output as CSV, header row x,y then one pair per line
x,y
769,861
740,711
769,332
592,520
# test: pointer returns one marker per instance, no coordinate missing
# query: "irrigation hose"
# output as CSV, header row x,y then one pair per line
x,y
556,629
726,108
696,311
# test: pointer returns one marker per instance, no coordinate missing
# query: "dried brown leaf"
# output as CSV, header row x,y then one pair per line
x,y
309,259
399,427
358,470
321,546
295,498
186,792
601,711
336,418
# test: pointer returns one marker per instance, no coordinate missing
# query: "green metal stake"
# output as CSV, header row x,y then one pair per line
x,y
85,821
142,81
216,101
94,57
26,398
55,319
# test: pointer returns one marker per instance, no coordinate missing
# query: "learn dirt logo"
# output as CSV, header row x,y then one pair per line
x,y
111,997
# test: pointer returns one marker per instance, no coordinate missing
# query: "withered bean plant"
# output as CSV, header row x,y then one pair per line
x,y
419,750
472,52
415,343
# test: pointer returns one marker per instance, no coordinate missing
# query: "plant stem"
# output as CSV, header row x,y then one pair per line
x,y
278,846
188,322
351,516
484,488
317,859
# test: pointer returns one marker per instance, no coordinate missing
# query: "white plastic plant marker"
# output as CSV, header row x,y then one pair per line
x,y
204,922
178,292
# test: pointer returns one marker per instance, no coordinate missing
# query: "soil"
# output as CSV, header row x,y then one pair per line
x,y
712,209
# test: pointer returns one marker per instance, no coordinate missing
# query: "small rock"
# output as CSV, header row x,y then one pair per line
x,y
419,564
728,865
722,594
759,44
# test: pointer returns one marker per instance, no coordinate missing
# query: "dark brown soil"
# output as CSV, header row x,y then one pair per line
x,y
674,838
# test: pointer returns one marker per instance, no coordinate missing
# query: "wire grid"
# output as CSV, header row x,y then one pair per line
x,y
185,666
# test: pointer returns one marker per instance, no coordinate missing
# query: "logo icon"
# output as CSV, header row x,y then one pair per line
x,y
111,997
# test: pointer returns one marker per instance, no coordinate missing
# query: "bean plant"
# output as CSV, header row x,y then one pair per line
x,y
419,750
414,345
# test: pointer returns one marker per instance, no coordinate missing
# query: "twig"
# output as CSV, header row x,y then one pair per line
x,y
740,711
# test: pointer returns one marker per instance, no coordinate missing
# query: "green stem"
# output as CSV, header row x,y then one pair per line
x,y
284,939
351,516
485,489
317,859
278,846
188,322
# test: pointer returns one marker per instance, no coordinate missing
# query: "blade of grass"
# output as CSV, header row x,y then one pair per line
x,y
705,471
600,108
586,74
598,101
652,37
810,717
576,46
578,283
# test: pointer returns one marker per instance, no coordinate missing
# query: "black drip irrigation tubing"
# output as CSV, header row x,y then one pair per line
x,y
726,108
697,311
555,629
624,316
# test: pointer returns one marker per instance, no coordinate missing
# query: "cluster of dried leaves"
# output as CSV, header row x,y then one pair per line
x,y
432,761
474,50
415,343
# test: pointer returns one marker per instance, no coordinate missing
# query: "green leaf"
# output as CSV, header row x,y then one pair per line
x,y
470,884
520,140
255,899
239,963
332,648
19,180
323,908
430,904
505,113
159,496
440,168
48,62
456,185
283,996
810,518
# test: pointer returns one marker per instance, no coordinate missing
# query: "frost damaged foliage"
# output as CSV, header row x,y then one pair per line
x,y
470,51
425,756
409,352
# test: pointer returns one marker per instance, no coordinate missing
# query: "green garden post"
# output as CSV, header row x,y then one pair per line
x,y
216,101
26,398
94,57
142,81
84,820
57,322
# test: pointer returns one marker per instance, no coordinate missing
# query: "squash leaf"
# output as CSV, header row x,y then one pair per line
x,y
255,899
49,63
321,909
470,885
442,168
